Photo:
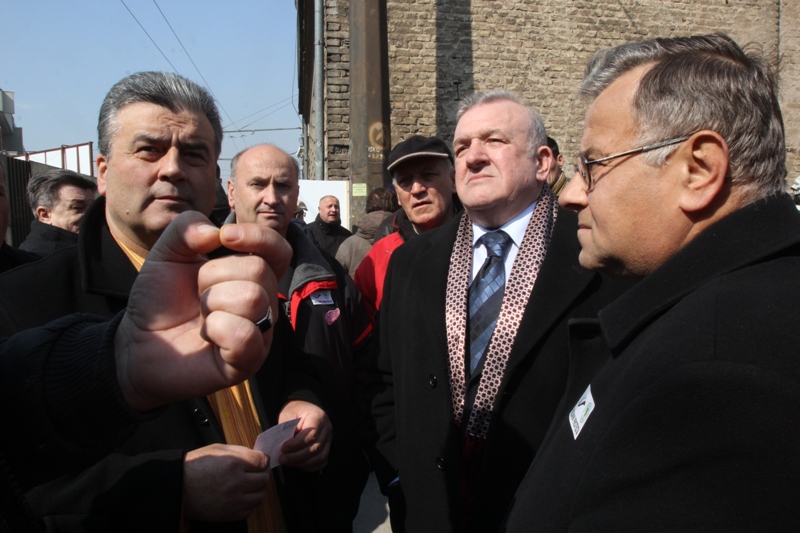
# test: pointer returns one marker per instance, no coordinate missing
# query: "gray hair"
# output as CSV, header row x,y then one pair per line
x,y
44,189
703,82
537,136
164,89
235,162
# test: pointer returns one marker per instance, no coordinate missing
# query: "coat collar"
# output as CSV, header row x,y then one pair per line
x,y
105,269
747,236
329,228
52,234
308,264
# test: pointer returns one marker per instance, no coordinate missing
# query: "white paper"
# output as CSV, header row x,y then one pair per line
x,y
271,440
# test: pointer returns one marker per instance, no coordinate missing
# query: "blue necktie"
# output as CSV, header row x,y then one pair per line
x,y
486,295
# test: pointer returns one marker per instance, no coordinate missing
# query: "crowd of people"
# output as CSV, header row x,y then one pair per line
x,y
508,344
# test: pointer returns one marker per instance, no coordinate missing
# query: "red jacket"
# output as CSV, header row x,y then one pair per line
x,y
372,271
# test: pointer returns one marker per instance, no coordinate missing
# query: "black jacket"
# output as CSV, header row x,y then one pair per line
x,y
328,236
694,425
11,257
330,325
67,407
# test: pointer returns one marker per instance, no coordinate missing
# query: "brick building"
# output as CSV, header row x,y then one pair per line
x,y
439,50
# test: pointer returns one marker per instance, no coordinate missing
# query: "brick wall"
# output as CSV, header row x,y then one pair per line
x,y
440,50
337,94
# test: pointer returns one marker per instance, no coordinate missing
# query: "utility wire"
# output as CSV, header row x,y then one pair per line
x,y
264,129
294,75
193,63
268,114
148,35
260,110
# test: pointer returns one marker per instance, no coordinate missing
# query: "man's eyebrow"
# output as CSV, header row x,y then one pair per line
x,y
482,134
591,153
195,145
155,139
149,138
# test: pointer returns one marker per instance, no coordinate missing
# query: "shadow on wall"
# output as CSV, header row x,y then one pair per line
x,y
454,64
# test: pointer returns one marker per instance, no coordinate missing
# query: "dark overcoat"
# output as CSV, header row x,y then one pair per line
x,y
411,402
692,423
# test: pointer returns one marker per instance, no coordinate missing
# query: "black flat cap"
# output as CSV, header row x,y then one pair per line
x,y
418,146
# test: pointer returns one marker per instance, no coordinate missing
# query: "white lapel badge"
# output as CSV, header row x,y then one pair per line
x,y
580,413
322,297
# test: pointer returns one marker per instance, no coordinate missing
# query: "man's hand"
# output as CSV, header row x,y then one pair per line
x,y
223,483
308,449
189,329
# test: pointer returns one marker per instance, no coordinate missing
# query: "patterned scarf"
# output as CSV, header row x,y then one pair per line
x,y
518,290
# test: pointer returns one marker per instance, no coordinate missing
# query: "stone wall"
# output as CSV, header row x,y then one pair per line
x,y
439,50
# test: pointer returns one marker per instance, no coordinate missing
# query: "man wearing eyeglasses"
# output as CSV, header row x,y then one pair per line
x,y
691,424
473,324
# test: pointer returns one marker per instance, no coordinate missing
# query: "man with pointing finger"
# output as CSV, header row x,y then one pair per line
x,y
81,383
159,137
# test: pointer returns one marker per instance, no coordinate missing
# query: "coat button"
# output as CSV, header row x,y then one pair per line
x,y
440,464
200,417
432,381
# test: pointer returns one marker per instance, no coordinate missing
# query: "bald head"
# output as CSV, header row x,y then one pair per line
x,y
264,186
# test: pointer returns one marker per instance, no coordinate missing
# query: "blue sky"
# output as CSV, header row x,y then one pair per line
x,y
60,57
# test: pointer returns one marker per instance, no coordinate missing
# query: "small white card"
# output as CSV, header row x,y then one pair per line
x,y
580,413
271,440
322,297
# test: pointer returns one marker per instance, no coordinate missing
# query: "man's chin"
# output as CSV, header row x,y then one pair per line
x,y
272,221
608,266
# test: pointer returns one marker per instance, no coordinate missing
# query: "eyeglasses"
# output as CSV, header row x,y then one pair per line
x,y
583,165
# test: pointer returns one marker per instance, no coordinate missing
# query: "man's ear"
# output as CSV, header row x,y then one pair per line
x,y
43,214
102,169
544,161
705,156
230,194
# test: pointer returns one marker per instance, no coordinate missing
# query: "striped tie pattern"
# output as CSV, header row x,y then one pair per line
x,y
486,295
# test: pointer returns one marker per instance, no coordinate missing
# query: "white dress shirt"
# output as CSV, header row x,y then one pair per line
x,y
514,228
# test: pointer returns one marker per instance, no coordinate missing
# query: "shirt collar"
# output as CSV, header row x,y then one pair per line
x,y
514,228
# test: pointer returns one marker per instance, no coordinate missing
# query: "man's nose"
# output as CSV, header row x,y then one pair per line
x,y
573,196
476,154
417,187
171,167
268,196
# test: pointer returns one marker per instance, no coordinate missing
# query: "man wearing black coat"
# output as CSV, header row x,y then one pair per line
x,y
79,385
680,409
328,323
58,198
327,229
458,427
156,161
